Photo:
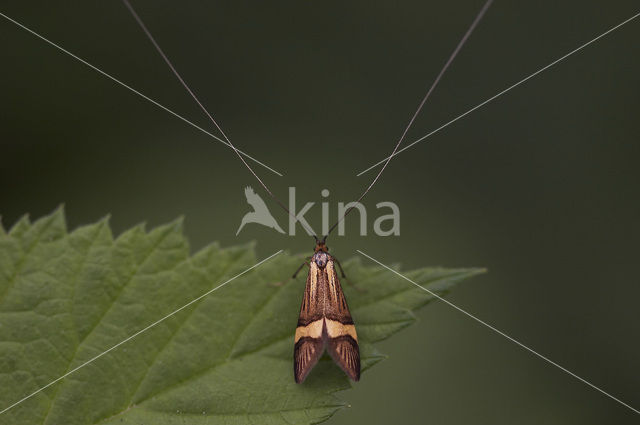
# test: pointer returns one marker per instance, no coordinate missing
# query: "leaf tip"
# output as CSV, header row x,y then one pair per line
x,y
20,226
138,229
105,219
177,224
474,271
57,217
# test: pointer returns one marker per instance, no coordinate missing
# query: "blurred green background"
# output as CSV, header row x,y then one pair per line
x,y
540,186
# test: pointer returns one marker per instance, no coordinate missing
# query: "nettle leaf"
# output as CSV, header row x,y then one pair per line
x,y
66,297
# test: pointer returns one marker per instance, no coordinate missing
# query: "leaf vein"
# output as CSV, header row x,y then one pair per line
x,y
106,310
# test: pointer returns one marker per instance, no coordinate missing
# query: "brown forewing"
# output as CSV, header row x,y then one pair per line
x,y
325,321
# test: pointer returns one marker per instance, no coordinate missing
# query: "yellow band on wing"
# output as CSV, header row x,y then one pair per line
x,y
334,330
312,330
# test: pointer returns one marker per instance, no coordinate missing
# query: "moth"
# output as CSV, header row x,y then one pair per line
x,y
325,321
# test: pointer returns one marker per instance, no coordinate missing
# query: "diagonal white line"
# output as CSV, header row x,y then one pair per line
x,y
443,70
502,333
147,98
139,332
173,69
500,94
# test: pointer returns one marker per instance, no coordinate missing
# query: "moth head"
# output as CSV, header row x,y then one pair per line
x,y
321,246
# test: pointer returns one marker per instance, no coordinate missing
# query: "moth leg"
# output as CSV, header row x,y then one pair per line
x,y
281,283
346,279
306,261
340,266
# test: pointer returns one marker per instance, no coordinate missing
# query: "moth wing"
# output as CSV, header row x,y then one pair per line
x,y
342,342
305,356
309,343
312,307
345,352
325,321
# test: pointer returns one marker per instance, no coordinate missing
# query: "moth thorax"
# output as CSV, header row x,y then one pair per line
x,y
320,258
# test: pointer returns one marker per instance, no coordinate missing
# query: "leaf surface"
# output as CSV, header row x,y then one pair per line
x,y
66,297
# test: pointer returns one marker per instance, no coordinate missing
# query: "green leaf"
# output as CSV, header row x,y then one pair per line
x,y
227,359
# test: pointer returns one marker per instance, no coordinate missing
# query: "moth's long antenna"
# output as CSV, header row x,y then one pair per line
x,y
186,86
424,99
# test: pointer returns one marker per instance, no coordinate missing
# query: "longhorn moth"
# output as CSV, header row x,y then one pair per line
x,y
325,321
